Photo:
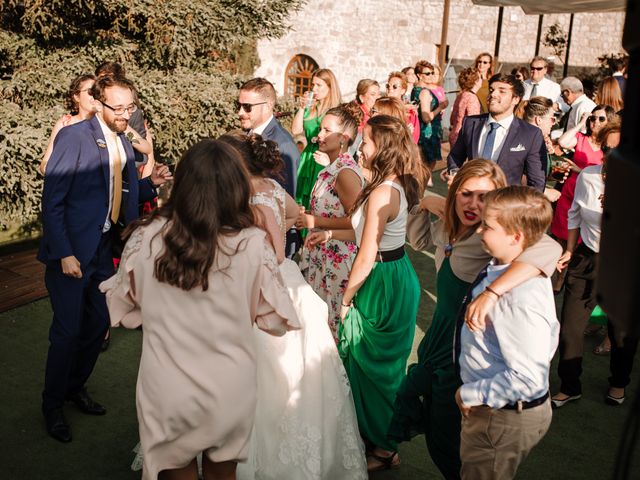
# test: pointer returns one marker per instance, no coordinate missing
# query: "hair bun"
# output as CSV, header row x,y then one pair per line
x,y
267,158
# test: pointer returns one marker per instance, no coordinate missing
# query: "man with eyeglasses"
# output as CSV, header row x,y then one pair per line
x,y
573,93
256,101
539,85
91,191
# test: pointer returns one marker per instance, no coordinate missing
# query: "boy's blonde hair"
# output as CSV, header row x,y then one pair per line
x,y
520,209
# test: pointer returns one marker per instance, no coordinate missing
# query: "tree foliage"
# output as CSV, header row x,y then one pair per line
x,y
186,57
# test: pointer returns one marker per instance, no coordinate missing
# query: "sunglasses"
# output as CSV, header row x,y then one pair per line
x,y
484,62
593,118
537,69
393,87
426,73
247,107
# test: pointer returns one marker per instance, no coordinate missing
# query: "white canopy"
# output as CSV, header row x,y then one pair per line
x,y
541,7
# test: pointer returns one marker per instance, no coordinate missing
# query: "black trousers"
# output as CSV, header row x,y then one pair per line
x,y
80,321
579,302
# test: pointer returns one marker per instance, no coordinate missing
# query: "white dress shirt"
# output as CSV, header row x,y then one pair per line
x,y
501,134
113,143
260,128
581,105
509,360
586,210
546,88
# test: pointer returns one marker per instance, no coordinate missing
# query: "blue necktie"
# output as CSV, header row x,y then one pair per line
x,y
487,150
457,347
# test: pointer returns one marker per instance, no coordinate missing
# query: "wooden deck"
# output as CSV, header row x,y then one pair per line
x,y
21,279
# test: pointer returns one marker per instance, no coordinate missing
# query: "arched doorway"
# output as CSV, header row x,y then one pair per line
x,y
297,77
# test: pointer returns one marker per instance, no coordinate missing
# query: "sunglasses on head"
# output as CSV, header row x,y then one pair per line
x,y
593,118
247,107
537,69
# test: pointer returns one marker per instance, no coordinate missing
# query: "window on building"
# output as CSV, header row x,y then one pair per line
x,y
297,78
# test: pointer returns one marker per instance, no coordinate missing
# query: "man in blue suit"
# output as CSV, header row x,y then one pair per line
x,y
90,189
515,145
255,105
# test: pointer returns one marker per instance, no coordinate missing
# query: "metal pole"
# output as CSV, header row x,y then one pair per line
x,y
539,35
442,56
496,51
566,56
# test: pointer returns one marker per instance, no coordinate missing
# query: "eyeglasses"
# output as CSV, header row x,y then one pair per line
x,y
593,118
484,62
537,69
393,87
247,107
88,90
120,110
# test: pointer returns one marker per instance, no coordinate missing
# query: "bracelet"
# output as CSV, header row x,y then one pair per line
x,y
348,305
491,290
330,232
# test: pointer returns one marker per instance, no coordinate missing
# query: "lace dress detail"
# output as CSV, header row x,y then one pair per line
x,y
306,427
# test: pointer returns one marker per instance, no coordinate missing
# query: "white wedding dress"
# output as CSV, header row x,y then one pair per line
x,y
305,425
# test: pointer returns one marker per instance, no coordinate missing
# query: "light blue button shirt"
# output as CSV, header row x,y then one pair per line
x,y
509,360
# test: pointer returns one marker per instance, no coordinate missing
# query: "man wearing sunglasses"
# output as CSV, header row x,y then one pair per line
x,y
255,104
90,190
539,85
573,93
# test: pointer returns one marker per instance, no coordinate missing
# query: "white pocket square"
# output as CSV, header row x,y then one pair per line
x,y
519,148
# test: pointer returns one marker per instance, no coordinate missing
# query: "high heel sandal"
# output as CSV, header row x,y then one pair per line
x,y
385,463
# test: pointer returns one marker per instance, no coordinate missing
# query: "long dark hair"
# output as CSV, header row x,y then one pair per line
x,y
209,199
70,103
396,154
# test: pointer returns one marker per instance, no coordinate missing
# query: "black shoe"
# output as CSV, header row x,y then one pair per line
x,y
86,404
57,426
105,344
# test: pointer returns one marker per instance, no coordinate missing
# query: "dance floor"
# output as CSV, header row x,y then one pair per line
x,y
581,443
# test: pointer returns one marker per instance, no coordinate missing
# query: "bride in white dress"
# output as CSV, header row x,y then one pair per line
x,y
306,425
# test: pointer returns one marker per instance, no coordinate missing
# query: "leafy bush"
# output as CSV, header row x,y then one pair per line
x,y
186,58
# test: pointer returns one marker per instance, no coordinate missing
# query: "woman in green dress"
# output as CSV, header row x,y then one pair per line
x,y
380,302
425,402
324,95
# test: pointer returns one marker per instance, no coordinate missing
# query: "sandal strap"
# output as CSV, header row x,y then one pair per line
x,y
387,461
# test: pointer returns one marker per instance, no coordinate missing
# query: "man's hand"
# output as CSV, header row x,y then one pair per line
x,y
160,174
464,410
564,260
71,267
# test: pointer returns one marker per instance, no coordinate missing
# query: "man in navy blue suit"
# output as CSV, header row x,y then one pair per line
x,y
515,145
90,189
255,105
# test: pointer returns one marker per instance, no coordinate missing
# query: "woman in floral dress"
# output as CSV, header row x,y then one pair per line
x,y
326,267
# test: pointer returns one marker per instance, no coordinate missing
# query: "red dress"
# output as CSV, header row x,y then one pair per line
x,y
584,156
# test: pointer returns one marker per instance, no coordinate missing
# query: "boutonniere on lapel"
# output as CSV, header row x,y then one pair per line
x,y
101,143
519,148
133,140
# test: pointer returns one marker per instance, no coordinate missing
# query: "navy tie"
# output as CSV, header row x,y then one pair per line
x,y
457,347
487,150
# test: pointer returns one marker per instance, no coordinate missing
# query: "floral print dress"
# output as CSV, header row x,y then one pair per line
x,y
326,267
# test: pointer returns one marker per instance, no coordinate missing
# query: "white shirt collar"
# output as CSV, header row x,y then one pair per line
x,y
579,100
260,128
504,123
617,74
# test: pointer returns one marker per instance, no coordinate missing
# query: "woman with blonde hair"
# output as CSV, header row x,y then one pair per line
x,y
609,93
367,92
425,400
397,85
484,64
324,95
467,102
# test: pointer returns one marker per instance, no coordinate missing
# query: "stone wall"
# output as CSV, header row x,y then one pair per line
x,y
370,38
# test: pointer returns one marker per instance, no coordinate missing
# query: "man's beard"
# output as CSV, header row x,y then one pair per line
x,y
117,126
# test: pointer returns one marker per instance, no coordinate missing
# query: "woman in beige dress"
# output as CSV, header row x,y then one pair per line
x,y
197,274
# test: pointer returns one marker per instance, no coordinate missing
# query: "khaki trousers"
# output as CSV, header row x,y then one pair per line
x,y
493,443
